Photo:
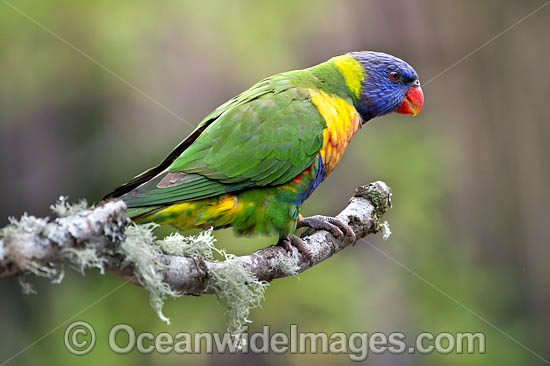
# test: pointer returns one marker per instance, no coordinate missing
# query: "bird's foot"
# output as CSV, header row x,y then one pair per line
x,y
294,241
331,224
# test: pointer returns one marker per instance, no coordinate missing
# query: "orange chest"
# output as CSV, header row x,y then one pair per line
x,y
342,120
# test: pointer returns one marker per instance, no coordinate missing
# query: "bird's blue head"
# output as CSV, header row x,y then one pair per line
x,y
389,85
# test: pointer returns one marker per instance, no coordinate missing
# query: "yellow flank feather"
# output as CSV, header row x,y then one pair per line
x,y
223,210
189,215
342,123
353,72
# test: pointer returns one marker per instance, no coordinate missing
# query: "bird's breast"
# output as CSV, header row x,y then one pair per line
x,y
342,122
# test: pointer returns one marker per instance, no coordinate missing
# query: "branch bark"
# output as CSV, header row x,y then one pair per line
x,y
39,245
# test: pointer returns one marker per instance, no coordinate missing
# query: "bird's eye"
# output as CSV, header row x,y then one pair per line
x,y
395,75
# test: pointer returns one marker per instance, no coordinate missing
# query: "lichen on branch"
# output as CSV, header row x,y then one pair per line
x,y
102,237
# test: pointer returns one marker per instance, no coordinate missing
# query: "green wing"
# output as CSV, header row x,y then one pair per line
x,y
265,136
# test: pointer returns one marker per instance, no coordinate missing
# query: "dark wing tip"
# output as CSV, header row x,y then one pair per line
x,y
134,182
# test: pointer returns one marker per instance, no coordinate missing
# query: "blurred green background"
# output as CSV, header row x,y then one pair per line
x,y
470,174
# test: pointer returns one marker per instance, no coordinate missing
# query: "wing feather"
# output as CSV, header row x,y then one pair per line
x,y
266,136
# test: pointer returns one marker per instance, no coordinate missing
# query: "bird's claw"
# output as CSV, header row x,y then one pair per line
x,y
331,224
294,241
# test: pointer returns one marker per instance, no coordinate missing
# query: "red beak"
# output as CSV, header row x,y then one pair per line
x,y
412,104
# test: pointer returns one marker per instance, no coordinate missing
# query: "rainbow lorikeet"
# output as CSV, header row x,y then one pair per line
x,y
252,162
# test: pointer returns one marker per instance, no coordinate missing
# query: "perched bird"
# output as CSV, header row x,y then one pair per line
x,y
252,162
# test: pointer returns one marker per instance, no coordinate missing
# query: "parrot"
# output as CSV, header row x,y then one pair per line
x,y
252,162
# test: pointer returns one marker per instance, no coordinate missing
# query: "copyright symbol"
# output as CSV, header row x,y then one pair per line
x,y
79,338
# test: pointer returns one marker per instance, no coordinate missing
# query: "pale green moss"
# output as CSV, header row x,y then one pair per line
x,y
237,290
199,246
85,258
386,232
141,250
62,208
285,264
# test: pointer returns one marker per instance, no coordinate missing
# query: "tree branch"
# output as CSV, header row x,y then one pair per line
x,y
39,246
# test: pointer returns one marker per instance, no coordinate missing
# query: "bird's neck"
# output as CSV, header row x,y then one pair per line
x,y
341,76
